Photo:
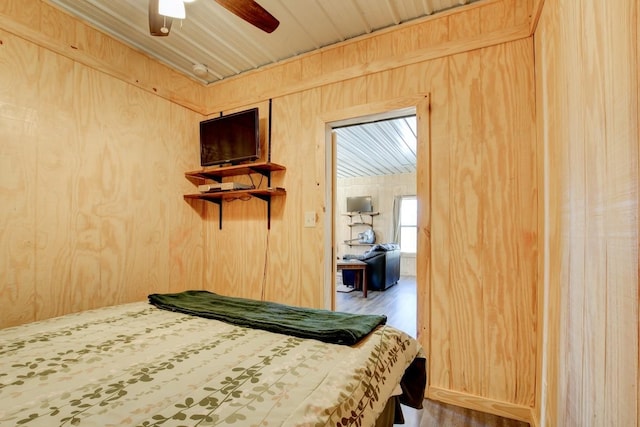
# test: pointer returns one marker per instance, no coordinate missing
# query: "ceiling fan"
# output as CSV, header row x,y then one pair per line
x,y
162,13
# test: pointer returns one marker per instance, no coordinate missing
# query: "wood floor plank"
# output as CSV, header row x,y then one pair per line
x,y
398,303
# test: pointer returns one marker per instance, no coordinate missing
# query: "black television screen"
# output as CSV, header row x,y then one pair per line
x,y
233,138
359,204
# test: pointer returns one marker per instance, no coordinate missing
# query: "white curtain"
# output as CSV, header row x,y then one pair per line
x,y
397,203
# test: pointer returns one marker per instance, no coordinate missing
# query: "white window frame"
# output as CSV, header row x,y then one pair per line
x,y
402,225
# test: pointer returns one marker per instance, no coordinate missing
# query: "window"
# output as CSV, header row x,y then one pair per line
x,y
408,224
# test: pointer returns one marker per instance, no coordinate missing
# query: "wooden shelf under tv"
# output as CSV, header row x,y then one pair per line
x,y
217,173
353,223
361,214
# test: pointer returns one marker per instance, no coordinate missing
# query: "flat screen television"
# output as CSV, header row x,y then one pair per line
x,y
233,138
359,204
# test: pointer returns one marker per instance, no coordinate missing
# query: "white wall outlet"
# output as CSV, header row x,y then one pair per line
x,y
309,219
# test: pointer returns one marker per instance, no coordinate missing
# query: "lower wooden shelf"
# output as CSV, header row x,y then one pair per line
x,y
218,173
220,196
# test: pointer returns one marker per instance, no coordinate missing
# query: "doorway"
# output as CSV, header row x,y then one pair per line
x,y
374,178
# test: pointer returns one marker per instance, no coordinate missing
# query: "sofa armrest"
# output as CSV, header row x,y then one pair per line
x,y
392,267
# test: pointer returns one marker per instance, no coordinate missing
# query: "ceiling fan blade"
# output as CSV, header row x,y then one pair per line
x,y
159,25
251,12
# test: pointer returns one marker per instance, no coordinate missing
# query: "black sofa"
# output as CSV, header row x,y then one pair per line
x,y
383,267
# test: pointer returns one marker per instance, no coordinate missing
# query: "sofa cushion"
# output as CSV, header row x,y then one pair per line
x,y
384,247
374,250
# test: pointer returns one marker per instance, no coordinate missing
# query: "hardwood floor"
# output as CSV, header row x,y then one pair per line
x,y
399,304
441,414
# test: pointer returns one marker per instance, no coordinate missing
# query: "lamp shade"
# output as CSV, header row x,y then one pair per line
x,y
172,8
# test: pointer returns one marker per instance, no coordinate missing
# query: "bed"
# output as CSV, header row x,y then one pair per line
x,y
145,364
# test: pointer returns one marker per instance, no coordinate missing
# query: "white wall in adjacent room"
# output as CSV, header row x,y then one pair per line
x,y
382,190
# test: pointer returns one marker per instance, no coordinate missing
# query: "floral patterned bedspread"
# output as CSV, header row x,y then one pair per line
x,y
138,365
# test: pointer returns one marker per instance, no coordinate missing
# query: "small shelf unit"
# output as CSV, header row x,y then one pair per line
x,y
361,223
218,173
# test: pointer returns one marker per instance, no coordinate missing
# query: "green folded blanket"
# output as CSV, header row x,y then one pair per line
x,y
323,325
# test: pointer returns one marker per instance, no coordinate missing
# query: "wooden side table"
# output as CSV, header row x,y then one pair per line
x,y
360,270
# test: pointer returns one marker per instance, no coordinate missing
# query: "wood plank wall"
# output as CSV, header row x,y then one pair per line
x,y
477,25
48,27
487,228
383,190
481,323
91,176
587,77
86,231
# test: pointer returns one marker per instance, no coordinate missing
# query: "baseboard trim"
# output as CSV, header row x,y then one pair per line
x,y
483,404
535,421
